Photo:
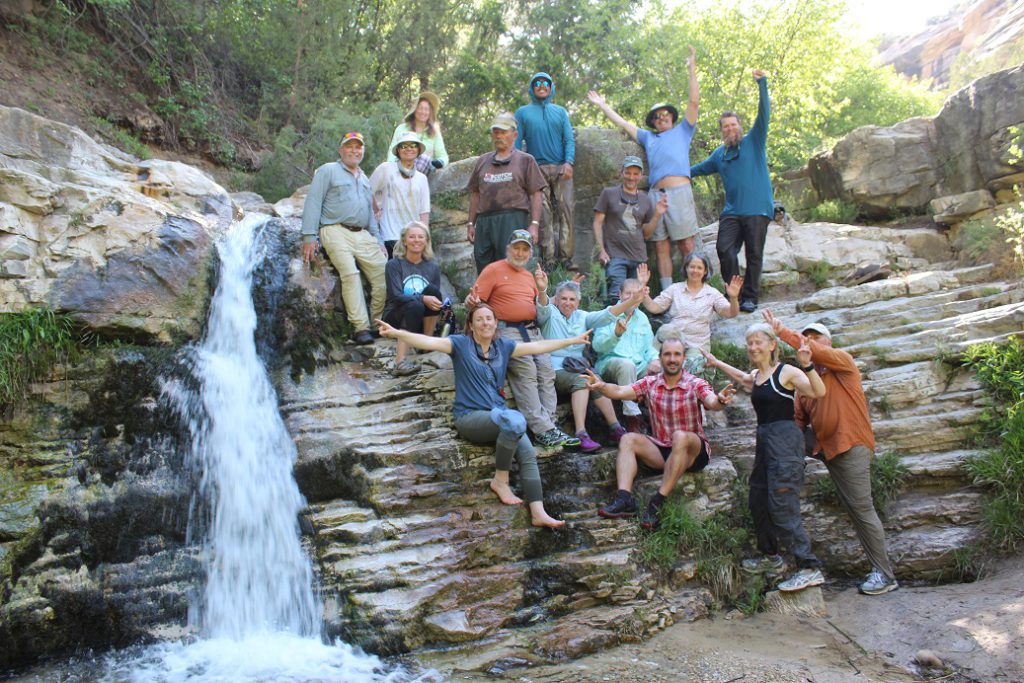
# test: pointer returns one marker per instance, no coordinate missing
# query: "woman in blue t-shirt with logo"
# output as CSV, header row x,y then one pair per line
x,y
480,358
414,298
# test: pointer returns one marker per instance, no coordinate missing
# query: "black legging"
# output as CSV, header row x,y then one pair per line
x,y
409,316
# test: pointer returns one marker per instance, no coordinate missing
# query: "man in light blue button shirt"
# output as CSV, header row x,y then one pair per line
x,y
558,318
339,210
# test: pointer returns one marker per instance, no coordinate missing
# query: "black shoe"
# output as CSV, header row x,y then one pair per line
x,y
651,519
748,306
362,337
623,507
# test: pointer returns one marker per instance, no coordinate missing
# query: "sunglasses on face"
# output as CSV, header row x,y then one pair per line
x,y
663,114
541,84
408,145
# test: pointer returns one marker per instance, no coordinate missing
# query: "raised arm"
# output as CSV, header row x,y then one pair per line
x,y
632,302
745,379
804,379
614,391
836,360
612,115
534,348
419,341
720,400
655,306
759,131
694,103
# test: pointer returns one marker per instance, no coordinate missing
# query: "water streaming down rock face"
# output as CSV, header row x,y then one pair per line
x,y
259,617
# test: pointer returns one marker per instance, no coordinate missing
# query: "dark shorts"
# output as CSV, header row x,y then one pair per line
x,y
702,458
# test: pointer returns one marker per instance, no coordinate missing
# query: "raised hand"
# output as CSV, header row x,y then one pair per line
x,y
578,278
726,394
620,326
473,298
733,288
638,298
643,274
775,323
709,359
691,61
803,354
582,338
595,97
758,74
385,330
541,278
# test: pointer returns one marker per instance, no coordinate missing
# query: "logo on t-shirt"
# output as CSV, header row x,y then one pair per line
x,y
498,177
414,284
629,219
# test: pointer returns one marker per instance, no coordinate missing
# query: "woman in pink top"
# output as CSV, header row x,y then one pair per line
x,y
691,306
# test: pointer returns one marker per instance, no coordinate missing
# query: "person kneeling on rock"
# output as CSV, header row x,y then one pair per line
x,y
480,359
677,443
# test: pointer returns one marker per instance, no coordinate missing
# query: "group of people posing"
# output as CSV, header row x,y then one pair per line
x,y
378,228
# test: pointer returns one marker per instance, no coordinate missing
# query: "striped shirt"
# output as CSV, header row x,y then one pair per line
x,y
675,408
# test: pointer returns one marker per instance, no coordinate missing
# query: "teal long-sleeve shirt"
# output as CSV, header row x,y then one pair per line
x,y
554,325
547,132
636,344
744,168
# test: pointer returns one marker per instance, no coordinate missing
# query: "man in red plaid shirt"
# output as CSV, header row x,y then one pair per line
x,y
677,443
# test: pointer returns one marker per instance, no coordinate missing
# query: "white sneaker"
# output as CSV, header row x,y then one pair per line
x,y
805,578
877,583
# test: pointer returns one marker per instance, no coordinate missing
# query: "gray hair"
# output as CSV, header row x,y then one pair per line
x,y
767,331
570,285
703,259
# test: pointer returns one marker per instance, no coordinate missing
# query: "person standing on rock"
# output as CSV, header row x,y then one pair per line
x,y
742,163
624,217
511,290
668,156
480,359
401,194
677,443
339,209
844,440
546,132
504,195
778,472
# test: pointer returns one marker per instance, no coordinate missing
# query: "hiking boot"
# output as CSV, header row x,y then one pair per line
x,y
587,445
766,564
878,583
623,507
748,306
362,337
406,367
553,438
805,578
635,424
651,519
617,433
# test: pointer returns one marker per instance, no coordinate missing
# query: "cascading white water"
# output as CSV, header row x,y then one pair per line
x,y
259,618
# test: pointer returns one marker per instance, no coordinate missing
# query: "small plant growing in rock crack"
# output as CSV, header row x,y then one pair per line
x,y
751,599
888,479
32,342
884,405
819,273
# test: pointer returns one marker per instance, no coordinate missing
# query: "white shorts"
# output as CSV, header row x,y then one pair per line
x,y
680,220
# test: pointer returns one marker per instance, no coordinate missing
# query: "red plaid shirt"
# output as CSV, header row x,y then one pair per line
x,y
675,408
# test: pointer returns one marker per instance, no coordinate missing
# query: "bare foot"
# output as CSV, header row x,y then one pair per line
x,y
544,519
504,493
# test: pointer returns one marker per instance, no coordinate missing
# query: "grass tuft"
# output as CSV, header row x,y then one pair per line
x,y
32,342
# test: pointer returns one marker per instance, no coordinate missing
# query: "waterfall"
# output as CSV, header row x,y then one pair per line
x,y
259,616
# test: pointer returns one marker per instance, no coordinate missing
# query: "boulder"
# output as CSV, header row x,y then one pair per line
x,y
955,208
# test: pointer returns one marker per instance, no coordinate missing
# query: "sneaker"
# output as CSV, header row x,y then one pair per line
x,y
617,433
554,438
651,519
587,445
748,306
805,578
623,507
635,424
878,583
362,337
406,367
766,564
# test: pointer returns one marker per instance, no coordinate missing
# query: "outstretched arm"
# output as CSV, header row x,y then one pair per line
x,y
745,379
612,115
419,341
534,348
694,103
615,391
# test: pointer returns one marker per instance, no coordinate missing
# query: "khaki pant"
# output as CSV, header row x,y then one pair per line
x,y
556,229
353,253
851,472
532,379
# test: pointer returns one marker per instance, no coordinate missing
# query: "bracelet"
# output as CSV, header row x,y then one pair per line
x,y
469,223
809,368
534,222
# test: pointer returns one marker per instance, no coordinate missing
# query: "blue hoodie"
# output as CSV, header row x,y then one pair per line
x,y
545,128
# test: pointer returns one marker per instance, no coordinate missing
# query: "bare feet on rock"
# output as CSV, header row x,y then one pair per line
x,y
504,492
540,517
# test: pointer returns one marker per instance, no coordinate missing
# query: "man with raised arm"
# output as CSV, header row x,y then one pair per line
x,y
742,162
844,439
677,443
668,157
546,132
339,210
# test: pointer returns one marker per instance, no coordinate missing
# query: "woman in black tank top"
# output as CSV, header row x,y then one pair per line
x,y
778,472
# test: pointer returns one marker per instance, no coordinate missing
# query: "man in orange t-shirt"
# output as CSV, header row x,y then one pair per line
x,y
510,289
844,440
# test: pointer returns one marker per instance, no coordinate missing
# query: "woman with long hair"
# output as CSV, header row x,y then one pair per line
x,y
414,298
422,120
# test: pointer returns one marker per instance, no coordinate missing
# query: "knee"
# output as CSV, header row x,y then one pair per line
x,y
681,439
510,422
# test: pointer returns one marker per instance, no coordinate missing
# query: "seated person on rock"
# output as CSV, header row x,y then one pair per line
x,y
625,350
561,318
480,359
691,307
413,280
677,443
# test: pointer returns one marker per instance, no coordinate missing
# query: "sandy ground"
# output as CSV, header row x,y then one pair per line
x,y
977,629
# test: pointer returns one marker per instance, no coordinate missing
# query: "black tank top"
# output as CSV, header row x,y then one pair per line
x,y
772,402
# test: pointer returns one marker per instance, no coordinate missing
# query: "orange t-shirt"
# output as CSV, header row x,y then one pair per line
x,y
511,292
839,418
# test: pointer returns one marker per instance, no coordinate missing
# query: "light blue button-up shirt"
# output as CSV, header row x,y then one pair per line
x,y
636,344
554,325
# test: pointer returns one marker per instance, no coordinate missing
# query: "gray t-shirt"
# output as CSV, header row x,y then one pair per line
x,y
478,382
624,217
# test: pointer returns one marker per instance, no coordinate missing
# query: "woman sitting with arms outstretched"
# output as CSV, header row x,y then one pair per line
x,y
480,358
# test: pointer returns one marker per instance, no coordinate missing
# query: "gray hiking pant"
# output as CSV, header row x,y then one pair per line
x,y
532,379
775,484
506,429
851,472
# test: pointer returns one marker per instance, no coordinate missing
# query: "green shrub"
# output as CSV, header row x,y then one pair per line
x,y
31,343
888,479
819,273
831,211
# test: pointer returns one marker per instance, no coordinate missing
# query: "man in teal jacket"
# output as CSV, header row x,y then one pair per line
x,y
742,163
546,132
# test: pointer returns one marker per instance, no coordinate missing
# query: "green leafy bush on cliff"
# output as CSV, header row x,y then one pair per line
x,y
31,343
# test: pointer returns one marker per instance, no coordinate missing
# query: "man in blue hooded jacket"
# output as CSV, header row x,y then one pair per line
x,y
546,131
